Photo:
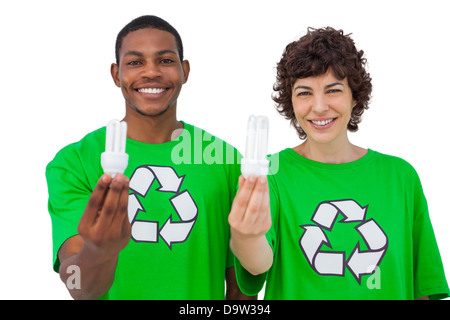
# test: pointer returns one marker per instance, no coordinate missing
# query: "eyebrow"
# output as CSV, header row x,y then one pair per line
x,y
134,53
326,87
160,53
334,84
140,54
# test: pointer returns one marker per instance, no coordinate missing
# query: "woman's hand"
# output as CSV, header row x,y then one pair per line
x,y
249,221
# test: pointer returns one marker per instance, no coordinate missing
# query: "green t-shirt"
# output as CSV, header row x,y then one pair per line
x,y
359,230
180,197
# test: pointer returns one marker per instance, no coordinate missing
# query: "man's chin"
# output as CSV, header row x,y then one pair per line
x,y
152,113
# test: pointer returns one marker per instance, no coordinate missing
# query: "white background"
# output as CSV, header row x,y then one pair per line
x,y
56,87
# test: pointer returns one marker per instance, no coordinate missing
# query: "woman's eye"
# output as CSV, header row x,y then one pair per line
x,y
334,90
303,93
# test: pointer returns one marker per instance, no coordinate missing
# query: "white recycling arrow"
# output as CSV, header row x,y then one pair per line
x,y
333,263
175,232
325,215
134,206
141,230
351,210
328,211
167,178
323,262
373,235
364,262
184,205
141,180
330,263
145,231
311,241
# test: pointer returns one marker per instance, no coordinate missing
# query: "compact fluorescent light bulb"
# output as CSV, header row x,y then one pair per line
x,y
114,160
255,161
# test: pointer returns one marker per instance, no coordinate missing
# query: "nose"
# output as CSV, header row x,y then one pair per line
x,y
319,104
151,70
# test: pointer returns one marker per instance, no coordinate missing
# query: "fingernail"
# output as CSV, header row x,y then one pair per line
x,y
262,179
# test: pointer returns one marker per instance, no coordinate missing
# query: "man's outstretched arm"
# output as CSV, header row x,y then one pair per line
x,y
103,231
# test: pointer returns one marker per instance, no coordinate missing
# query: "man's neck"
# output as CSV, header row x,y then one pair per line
x,y
152,129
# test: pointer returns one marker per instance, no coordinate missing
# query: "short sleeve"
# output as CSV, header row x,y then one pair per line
x,y
429,277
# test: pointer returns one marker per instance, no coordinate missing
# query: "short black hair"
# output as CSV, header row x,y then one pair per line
x,y
148,22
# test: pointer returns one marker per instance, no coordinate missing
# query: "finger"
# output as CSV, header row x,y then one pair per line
x,y
256,200
95,201
110,204
242,198
120,221
265,219
241,181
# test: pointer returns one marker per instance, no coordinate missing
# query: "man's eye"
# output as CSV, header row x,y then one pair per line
x,y
166,61
133,63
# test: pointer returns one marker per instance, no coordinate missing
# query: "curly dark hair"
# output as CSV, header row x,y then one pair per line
x,y
314,54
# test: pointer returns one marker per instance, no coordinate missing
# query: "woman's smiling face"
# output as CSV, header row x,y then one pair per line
x,y
323,106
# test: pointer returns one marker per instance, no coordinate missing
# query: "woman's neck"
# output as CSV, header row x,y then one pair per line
x,y
330,153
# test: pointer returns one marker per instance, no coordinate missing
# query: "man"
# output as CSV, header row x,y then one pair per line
x,y
175,203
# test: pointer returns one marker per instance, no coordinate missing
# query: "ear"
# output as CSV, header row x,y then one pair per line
x,y
115,74
186,69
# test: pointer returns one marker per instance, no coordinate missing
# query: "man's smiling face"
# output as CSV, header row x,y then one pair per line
x,y
150,73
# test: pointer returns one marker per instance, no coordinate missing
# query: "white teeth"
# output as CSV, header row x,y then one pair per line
x,y
322,122
151,90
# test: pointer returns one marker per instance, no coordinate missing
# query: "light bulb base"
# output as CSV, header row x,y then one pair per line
x,y
113,162
254,167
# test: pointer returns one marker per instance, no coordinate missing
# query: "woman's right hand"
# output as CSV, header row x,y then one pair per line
x,y
249,221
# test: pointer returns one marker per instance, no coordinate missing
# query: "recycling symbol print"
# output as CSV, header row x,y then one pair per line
x,y
172,230
360,262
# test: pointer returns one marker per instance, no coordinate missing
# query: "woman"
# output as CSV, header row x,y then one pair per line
x,y
343,222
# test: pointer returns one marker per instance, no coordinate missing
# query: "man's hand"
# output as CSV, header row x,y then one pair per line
x,y
104,226
249,221
104,230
